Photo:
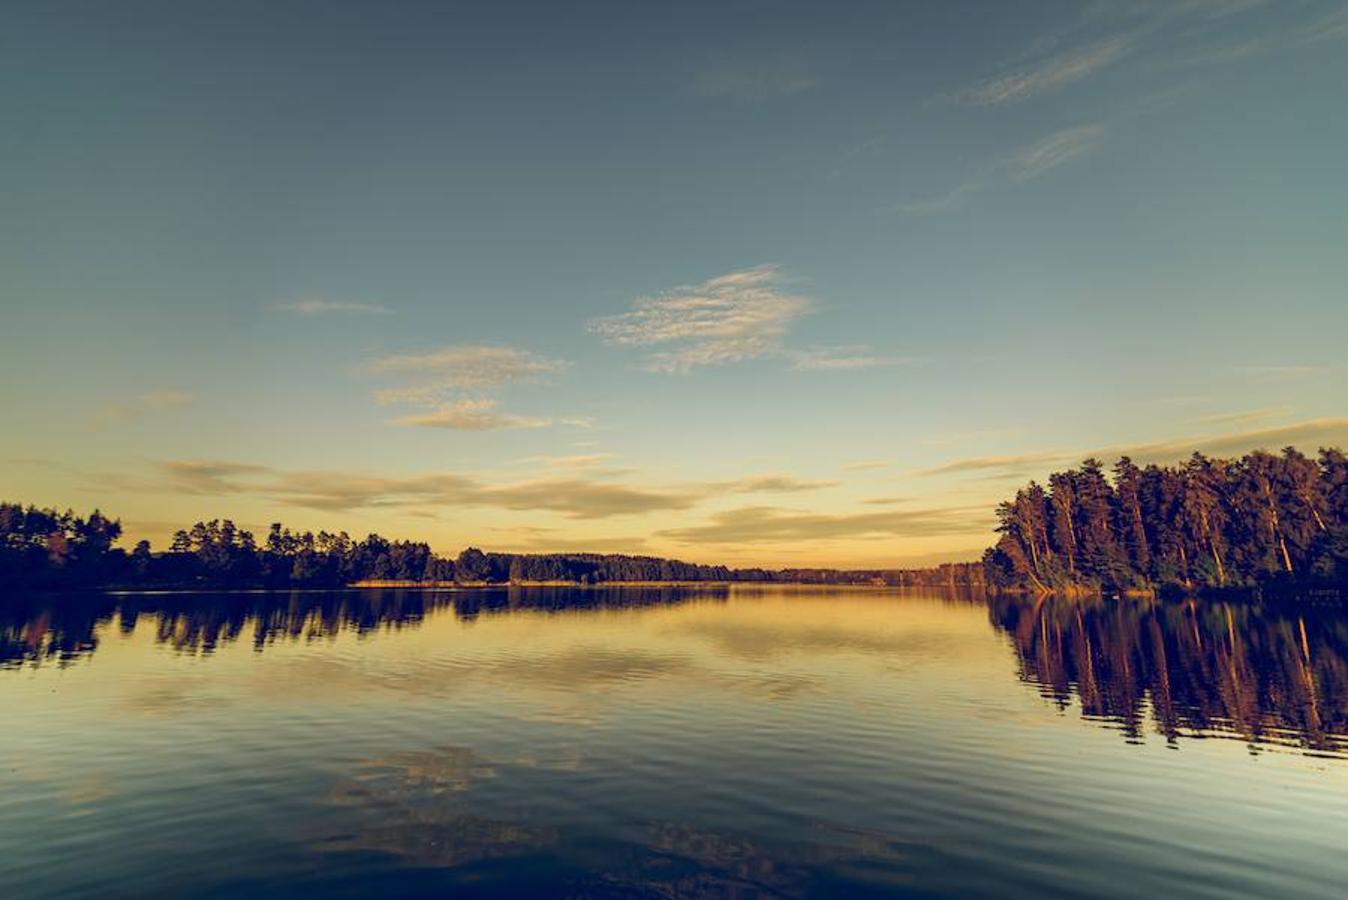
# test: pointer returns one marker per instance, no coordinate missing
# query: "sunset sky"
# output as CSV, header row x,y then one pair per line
x,y
745,282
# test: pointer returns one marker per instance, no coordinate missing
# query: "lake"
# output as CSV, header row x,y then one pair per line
x,y
670,742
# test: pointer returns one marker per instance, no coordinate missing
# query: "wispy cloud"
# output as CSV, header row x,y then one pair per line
x,y
573,461
166,399
1310,433
121,412
583,499
471,414
572,497
863,465
1013,464
578,493
1248,416
783,484
1025,164
857,356
1047,74
767,524
738,316
1331,27
316,306
469,365
559,544
1285,372
1160,33
208,476
1053,151
753,79
437,381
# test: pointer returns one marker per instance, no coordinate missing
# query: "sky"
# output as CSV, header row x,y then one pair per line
x,y
746,282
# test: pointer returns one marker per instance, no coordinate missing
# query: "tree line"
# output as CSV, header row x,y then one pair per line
x,y
47,549
1260,521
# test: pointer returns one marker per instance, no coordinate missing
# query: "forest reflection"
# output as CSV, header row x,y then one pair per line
x,y
1268,675
37,629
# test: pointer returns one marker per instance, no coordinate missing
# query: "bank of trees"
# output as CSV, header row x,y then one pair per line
x,y
1260,520
43,548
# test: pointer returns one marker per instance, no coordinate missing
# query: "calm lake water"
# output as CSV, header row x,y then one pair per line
x,y
744,742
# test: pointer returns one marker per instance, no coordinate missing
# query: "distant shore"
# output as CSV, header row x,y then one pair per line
x,y
445,585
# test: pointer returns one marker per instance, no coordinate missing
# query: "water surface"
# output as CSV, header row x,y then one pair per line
x,y
743,742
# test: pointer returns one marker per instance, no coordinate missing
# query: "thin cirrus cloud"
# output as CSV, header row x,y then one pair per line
x,y
1053,151
738,316
1048,74
1248,416
779,484
121,412
572,497
317,306
837,359
1026,164
572,461
768,524
865,465
437,381
753,80
1312,432
469,365
734,317
575,494
471,414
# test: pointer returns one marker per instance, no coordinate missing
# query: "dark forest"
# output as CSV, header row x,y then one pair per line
x,y
1260,521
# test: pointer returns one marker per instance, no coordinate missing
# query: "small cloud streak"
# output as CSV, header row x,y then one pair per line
x,y
767,524
833,359
1010,464
864,465
1312,432
572,497
755,80
1026,164
316,306
1285,372
574,461
471,414
440,377
1248,417
167,399
576,494
122,412
1053,151
1047,75
738,316
469,365
780,484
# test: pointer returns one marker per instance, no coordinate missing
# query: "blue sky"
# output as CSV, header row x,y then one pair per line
x,y
755,282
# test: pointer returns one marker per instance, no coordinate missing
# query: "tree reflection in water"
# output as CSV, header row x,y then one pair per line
x,y
37,628
1268,675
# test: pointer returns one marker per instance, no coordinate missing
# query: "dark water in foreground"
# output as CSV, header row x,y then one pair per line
x,y
669,743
